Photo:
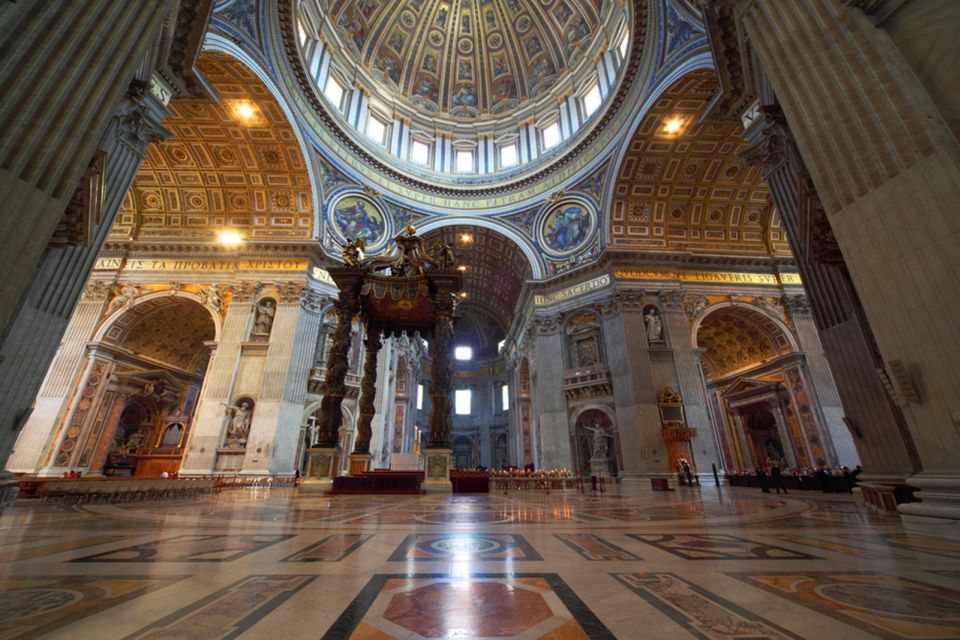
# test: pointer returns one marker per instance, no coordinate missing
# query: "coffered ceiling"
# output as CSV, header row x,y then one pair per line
x,y
233,165
690,190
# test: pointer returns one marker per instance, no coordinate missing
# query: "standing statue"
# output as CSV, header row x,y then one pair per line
x,y
353,252
266,309
443,254
239,426
598,446
654,326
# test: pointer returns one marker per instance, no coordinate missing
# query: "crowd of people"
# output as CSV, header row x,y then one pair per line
x,y
826,479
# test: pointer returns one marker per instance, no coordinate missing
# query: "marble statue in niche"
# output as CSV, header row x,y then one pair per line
x,y
239,426
263,324
654,325
598,443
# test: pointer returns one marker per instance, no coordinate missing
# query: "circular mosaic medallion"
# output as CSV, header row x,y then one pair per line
x,y
407,18
435,38
495,41
464,545
567,227
357,217
31,602
465,46
523,24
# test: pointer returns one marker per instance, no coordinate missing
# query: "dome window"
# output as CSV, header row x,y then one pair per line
x,y
592,100
508,155
623,45
376,129
551,135
333,90
420,152
464,161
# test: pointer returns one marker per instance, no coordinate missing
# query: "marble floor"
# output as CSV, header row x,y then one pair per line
x,y
629,563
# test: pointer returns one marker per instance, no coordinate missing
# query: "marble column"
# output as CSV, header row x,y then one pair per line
x,y
879,151
686,362
628,357
742,441
37,436
36,328
210,419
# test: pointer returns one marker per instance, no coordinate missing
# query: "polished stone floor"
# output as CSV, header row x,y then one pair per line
x,y
629,563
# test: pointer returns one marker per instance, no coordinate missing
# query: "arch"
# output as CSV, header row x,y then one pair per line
x,y
739,337
603,408
695,327
140,301
216,42
525,245
696,63
691,190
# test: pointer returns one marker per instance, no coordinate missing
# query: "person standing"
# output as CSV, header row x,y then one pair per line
x,y
762,477
777,479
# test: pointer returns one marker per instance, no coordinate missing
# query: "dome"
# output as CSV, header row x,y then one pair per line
x,y
469,60
473,93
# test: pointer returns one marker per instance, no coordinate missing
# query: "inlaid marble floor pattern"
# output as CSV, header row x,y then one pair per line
x,y
695,563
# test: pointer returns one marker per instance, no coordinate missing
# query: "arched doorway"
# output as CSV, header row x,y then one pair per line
x,y
137,400
758,389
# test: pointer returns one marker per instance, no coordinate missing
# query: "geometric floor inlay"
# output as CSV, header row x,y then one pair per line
x,y
464,546
890,607
33,606
524,606
333,548
190,548
707,546
593,547
702,613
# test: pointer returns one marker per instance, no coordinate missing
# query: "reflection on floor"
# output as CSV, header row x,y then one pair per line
x,y
696,563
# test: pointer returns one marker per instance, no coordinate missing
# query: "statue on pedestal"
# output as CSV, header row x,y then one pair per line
x,y
654,325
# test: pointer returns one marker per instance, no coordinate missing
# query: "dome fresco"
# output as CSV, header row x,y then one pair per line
x,y
471,57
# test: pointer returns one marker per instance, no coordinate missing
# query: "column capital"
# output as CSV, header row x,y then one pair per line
x,y
673,301
544,325
769,138
95,292
290,292
630,300
137,124
245,291
796,305
312,301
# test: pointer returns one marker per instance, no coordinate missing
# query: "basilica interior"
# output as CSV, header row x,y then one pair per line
x,y
515,315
